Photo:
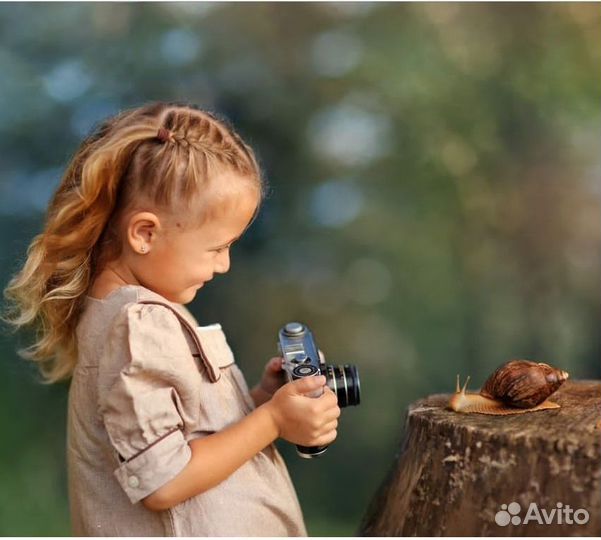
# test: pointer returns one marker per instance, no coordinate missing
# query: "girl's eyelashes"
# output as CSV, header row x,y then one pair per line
x,y
221,249
227,246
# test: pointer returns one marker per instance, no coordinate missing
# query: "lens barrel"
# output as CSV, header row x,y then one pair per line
x,y
344,382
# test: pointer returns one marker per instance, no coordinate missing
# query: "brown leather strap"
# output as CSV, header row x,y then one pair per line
x,y
212,371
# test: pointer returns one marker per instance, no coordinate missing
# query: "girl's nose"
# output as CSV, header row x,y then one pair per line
x,y
223,262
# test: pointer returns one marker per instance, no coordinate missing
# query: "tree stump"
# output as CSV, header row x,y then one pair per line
x,y
456,471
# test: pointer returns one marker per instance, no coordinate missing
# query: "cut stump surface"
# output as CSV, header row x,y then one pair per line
x,y
455,471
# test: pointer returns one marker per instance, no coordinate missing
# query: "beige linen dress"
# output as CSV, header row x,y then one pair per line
x,y
148,380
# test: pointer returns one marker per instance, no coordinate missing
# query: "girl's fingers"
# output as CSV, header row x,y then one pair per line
x,y
326,439
328,400
330,426
332,415
275,364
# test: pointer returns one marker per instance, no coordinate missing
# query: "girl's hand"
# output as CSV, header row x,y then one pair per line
x,y
272,380
273,376
305,420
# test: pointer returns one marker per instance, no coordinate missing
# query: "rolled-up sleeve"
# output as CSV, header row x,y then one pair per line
x,y
142,406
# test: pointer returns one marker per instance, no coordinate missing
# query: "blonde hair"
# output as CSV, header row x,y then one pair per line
x,y
165,153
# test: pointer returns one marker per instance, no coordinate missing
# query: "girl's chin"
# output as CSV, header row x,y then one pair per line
x,y
188,295
195,288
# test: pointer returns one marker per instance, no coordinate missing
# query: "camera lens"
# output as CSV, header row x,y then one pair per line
x,y
344,382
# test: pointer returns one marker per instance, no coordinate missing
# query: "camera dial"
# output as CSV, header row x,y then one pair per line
x,y
294,328
304,371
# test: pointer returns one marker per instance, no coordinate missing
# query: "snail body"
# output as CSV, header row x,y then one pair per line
x,y
518,386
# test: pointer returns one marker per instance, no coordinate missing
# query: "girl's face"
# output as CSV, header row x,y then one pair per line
x,y
178,262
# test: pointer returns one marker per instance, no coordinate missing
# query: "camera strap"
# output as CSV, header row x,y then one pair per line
x,y
212,371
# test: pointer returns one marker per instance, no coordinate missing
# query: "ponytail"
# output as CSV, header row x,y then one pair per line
x,y
51,287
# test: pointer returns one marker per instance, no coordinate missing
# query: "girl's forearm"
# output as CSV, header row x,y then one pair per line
x,y
216,457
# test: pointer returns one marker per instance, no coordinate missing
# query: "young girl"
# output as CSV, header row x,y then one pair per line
x,y
164,438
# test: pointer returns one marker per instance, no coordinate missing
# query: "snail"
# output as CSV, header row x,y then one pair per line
x,y
518,386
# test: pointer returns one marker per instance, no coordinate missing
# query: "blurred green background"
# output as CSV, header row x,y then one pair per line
x,y
435,175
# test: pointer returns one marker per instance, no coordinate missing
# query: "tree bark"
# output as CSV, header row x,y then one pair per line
x,y
455,471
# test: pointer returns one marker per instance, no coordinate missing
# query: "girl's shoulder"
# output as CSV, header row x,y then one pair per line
x,y
123,313
125,294
125,297
122,330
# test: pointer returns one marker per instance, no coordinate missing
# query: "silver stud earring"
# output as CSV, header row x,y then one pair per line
x,y
143,249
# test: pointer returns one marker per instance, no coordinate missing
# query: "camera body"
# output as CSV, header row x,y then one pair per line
x,y
301,359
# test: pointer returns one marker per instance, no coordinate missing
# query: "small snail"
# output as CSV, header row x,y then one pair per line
x,y
517,386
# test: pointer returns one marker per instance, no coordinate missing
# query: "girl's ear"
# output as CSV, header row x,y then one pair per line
x,y
142,230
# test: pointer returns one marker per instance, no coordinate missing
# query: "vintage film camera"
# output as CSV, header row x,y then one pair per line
x,y
301,359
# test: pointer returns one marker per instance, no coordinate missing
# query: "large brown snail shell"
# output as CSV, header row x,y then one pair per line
x,y
522,383
518,386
